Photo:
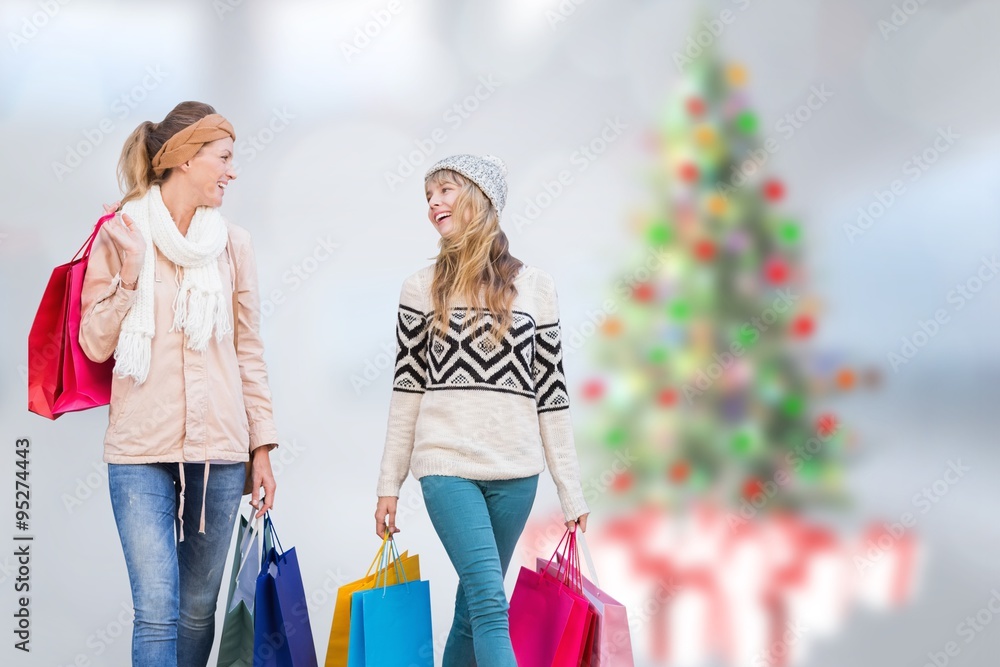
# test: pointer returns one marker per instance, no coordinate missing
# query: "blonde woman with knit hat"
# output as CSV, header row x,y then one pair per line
x,y
189,400
479,403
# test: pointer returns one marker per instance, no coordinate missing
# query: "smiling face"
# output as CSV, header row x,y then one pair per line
x,y
210,171
441,193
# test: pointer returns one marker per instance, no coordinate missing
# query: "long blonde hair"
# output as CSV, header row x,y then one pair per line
x,y
135,166
474,262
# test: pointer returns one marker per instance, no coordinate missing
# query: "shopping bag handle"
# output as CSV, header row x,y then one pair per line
x,y
390,553
590,561
269,527
567,559
89,243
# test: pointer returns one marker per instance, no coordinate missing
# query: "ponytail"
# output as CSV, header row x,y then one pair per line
x,y
135,171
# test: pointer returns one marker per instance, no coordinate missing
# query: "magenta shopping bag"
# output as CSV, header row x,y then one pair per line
x,y
549,615
611,642
60,376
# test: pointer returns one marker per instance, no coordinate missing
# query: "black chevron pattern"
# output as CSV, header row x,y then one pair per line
x,y
526,362
549,379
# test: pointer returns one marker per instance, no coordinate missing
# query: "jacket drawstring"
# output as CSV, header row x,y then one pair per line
x,y
204,496
180,511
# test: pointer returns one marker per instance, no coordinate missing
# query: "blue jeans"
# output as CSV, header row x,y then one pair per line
x,y
479,524
175,585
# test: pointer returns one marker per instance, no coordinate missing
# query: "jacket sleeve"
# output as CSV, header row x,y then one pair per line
x,y
408,387
552,400
250,350
103,303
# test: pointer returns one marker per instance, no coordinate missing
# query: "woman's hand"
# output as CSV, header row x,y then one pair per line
x,y
130,244
581,521
261,475
386,505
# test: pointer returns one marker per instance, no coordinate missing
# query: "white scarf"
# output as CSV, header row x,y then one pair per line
x,y
199,306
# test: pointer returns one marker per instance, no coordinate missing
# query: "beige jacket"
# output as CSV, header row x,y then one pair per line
x,y
193,406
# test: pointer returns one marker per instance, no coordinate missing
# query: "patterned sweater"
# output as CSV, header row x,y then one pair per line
x,y
465,407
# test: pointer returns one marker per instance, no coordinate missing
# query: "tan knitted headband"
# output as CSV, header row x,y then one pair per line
x,y
183,146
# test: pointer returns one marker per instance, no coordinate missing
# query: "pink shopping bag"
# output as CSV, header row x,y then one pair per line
x,y
549,615
611,641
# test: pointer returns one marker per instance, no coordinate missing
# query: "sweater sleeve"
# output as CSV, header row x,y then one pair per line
x,y
552,399
408,386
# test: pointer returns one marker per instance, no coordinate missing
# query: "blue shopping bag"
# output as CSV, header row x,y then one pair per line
x,y
391,624
282,634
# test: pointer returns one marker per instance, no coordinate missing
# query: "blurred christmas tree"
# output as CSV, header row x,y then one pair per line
x,y
704,394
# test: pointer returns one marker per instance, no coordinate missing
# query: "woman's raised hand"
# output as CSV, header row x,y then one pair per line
x,y
130,244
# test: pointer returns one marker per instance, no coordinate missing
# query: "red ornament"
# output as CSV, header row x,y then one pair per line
x,y
826,424
593,390
776,270
667,397
695,106
680,471
803,326
774,190
689,172
704,250
643,292
622,482
752,487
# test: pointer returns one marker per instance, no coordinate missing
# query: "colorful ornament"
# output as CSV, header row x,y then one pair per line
x,y
643,292
704,135
736,75
776,270
680,471
803,326
716,204
593,389
746,122
826,424
622,482
689,172
774,190
789,231
695,106
845,379
612,327
667,397
659,233
704,250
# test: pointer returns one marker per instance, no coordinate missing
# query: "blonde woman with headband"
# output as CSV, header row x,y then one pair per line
x,y
479,402
189,401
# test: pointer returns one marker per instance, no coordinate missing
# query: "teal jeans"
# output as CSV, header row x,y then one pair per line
x,y
479,523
